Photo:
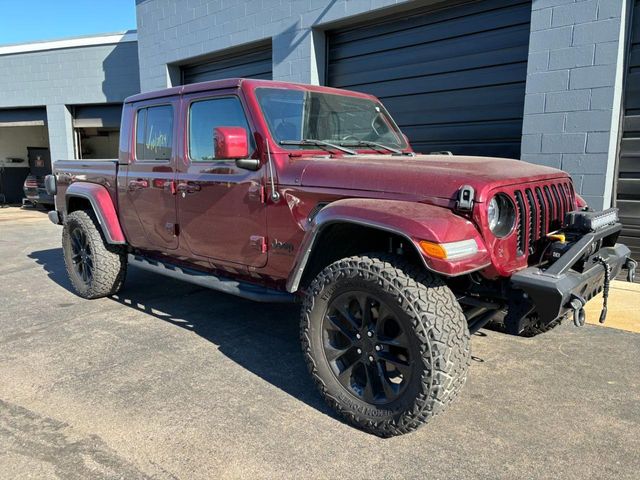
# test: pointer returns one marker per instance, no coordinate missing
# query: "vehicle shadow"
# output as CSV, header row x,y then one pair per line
x,y
263,338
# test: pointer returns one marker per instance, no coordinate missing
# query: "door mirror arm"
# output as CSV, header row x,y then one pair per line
x,y
248,163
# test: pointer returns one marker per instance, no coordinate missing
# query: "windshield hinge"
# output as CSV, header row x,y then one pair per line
x,y
466,196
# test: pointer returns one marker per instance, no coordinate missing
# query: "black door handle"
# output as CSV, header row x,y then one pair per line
x,y
188,187
138,184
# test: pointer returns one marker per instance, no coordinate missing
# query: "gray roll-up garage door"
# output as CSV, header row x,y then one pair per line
x,y
23,117
100,116
249,63
453,78
628,187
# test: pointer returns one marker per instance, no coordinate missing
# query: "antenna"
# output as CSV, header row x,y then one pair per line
x,y
275,195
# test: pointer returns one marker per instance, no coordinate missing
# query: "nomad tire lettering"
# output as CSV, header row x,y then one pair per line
x,y
422,332
95,268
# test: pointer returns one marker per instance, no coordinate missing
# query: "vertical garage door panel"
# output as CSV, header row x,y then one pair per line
x,y
453,78
628,186
255,63
430,61
468,105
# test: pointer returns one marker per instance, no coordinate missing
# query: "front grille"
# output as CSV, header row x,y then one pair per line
x,y
540,210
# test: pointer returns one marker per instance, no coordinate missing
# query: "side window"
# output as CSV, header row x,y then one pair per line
x,y
204,116
154,133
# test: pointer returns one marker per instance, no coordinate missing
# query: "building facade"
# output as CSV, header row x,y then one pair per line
x,y
540,80
551,82
62,99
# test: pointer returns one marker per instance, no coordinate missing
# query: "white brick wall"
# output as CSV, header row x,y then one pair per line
x,y
68,76
95,74
574,71
573,91
172,31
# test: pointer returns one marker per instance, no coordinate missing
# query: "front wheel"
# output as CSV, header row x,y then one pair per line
x,y
387,345
95,268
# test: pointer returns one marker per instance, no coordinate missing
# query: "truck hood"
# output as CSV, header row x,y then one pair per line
x,y
439,176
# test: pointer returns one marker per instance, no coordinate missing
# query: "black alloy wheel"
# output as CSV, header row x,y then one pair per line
x,y
81,255
385,341
366,347
96,269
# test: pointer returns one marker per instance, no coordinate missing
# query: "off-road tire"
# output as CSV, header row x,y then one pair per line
x,y
435,321
109,261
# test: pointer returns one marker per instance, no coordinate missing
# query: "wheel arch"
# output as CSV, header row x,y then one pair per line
x,y
337,235
356,226
81,196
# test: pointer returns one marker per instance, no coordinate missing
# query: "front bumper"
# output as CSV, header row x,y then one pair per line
x,y
575,278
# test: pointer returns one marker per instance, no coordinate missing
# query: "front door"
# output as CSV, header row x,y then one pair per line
x,y
150,211
221,209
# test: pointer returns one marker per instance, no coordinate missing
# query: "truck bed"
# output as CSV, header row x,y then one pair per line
x,y
103,172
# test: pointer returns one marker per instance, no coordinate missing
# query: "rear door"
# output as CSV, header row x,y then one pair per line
x,y
150,177
221,209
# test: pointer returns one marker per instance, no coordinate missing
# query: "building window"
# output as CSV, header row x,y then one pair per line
x,y
154,133
205,116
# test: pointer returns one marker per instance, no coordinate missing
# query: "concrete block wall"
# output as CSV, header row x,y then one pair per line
x,y
171,31
574,79
82,75
573,92
60,125
62,77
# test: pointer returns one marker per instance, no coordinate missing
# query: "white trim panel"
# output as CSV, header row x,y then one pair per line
x,y
69,43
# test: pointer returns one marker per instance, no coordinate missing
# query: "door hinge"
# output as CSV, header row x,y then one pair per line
x,y
172,228
259,243
257,192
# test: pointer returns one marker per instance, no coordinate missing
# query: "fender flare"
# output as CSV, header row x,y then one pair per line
x,y
410,220
102,205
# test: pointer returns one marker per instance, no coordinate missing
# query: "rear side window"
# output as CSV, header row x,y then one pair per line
x,y
204,116
154,133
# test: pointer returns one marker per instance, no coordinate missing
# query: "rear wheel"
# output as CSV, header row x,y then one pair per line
x,y
387,345
95,268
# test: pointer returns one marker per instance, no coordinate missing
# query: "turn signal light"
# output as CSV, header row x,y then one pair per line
x,y
434,250
450,251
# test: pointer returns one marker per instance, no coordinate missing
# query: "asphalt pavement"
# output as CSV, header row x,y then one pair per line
x,y
171,381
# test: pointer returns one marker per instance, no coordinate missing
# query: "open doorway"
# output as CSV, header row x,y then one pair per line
x,y
20,129
96,131
93,142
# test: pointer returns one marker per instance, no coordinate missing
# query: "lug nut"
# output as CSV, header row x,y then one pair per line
x,y
378,348
358,336
369,334
359,351
371,358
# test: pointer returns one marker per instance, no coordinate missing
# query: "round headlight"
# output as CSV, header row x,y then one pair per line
x,y
501,215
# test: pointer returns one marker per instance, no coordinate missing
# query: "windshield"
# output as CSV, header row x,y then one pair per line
x,y
297,115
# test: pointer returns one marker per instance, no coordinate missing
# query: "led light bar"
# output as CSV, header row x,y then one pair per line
x,y
591,221
449,251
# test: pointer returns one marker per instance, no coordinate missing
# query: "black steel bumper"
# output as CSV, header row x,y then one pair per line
x,y
557,290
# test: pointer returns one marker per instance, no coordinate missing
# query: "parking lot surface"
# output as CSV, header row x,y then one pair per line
x,y
172,381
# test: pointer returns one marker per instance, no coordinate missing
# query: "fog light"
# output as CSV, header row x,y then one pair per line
x,y
449,251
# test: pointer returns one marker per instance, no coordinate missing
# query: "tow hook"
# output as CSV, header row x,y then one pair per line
x,y
577,305
631,265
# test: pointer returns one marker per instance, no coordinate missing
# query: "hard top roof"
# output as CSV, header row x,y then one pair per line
x,y
228,83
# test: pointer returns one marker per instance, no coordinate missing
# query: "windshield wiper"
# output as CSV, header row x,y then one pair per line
x,y
367,143
318,143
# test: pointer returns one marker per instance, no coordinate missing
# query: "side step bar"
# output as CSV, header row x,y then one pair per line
x,y
232,287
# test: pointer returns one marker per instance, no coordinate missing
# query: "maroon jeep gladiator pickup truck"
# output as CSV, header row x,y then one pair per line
x,y
280,192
